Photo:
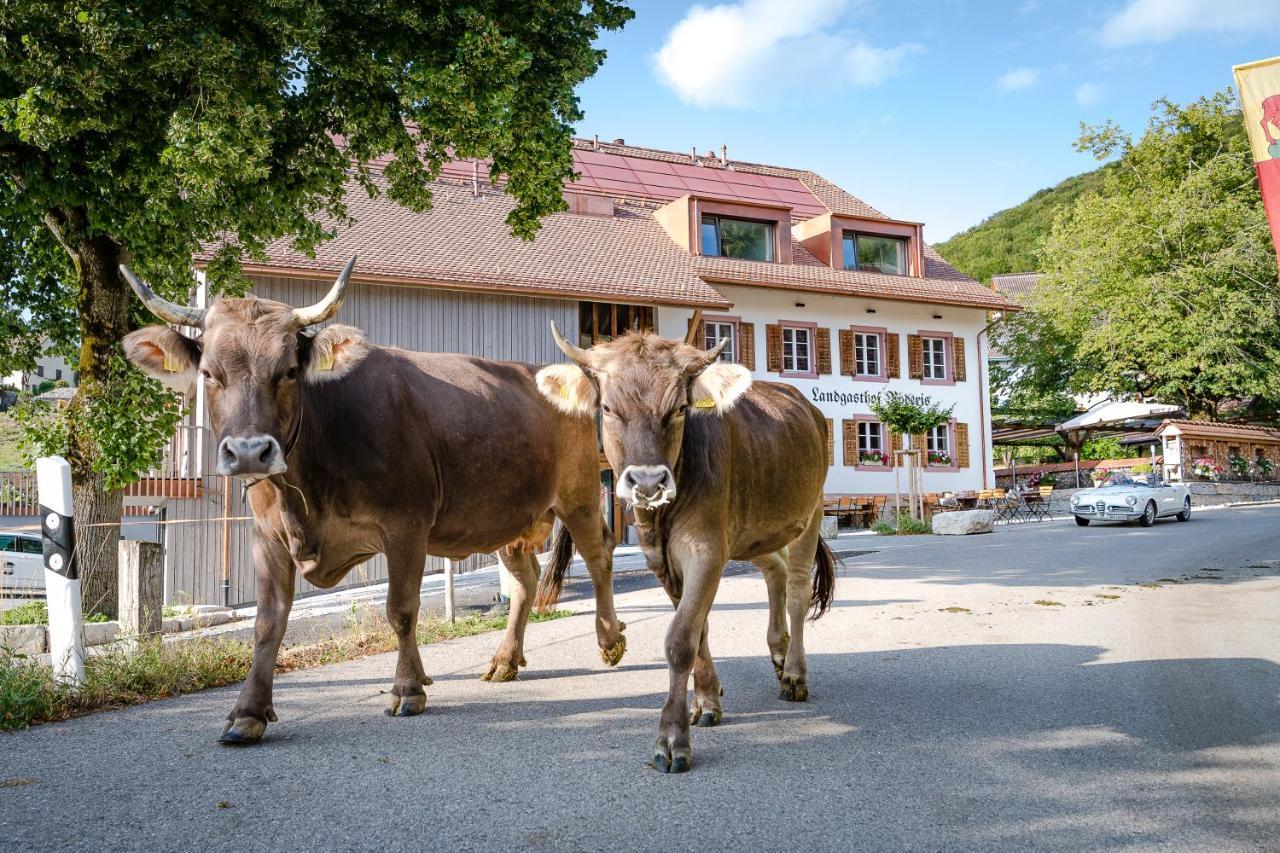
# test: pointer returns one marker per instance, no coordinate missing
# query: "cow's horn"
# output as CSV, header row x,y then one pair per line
x,y
170,312
576,354
327,307
714,353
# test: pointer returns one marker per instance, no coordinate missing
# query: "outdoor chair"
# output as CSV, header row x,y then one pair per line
x,y
877,509
841,507
1037,501
861,515
985,498
1009,507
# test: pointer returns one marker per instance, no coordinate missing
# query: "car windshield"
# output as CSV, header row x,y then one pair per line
x,y
1145,481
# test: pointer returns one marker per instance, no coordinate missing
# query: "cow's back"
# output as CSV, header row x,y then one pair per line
x,y
758,470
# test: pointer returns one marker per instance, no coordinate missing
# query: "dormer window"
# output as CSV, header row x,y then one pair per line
x,y
749,239
875,253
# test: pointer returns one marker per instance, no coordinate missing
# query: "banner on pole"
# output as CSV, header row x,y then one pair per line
x,y
1259,86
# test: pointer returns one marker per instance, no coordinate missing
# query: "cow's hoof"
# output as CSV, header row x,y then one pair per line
x,y
243,731
614,653
500,672
794,689
407,706
667,760
705,717
777,669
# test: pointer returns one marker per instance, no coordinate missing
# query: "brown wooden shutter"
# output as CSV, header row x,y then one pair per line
x,y
850,430
962,445
893,357
773,347
824,351
915,357
747,345
831,442
846,352
700,339
895,444
957,347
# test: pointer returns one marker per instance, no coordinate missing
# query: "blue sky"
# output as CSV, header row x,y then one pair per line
x,y
942,112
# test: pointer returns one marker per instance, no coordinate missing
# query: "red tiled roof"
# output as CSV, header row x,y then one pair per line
x,y
1210,429
464,241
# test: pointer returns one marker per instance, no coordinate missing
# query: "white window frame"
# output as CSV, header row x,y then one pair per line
x,y
791,363
927,355
714,331
861,359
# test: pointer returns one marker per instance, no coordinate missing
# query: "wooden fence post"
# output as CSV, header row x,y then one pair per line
x,y
141,588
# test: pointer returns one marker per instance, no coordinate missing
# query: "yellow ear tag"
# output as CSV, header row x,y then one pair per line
x,y
171,363
326,362
704,403
564,392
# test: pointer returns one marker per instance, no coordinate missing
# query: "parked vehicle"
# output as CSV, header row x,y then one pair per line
x,y
21,563
1125,498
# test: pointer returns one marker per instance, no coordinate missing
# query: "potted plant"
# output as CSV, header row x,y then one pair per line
x,y
1206,468
873,457
1265,468
902,416
1239,467
937,457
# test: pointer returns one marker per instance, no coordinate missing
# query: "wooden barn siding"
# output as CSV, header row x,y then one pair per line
x,y
499,326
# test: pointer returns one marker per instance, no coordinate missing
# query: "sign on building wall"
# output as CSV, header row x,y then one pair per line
x,y
1259,87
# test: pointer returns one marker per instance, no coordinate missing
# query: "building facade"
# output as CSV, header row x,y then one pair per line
x,y
813,286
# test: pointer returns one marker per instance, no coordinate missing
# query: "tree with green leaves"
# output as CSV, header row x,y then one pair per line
x,y
1162,285
143,131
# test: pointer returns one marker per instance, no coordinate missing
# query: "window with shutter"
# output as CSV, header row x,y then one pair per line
x,y
799,356
895,444
831,442
747,345
846,352
957,363
716,329
849,443
869,363
937,358
892,356
822,341
773,348
915,358
962,445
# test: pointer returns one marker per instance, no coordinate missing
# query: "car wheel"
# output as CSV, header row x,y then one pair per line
x,y
1185,515
1148,517
1082,522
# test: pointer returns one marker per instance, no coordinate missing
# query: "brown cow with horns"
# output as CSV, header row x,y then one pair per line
x,y
354,450
716,468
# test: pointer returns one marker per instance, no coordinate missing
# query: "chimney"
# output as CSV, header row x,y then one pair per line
x,y
619,141
595,142
475,178
724,154
693,154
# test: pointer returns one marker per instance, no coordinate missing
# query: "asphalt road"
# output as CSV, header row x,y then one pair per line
x,y
1038,688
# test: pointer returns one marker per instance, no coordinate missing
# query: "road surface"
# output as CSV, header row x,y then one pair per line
x,y
1041,687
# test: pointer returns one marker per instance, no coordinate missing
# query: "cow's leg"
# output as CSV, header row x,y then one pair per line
x,y
405,565
594,541
509,657
700,566
707,691
800,557
274,572
774,568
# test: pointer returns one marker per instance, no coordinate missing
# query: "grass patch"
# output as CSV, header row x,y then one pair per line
x,y
1107,596
1151,585
906,526
10,455
37,613
131,674
1044,602
954,609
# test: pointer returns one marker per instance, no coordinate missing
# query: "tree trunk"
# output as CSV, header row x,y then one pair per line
x,y
102,303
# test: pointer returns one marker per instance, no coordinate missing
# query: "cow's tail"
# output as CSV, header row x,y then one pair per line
x,y
824,580
552,580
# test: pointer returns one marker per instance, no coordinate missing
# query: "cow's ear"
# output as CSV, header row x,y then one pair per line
x,y
717,388
163,354
333,352
569,389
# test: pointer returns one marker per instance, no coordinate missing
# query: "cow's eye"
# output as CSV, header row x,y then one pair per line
x,y
208,378
291,374
608,411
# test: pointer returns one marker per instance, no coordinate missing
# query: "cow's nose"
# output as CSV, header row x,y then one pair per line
x,y
645,482
249,455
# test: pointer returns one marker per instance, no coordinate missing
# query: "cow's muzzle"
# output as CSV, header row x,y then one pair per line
x,y
647,486
250,456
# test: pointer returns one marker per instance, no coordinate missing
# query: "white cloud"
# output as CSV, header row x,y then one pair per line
x,y
1018,78
1088,94
755,51
1165,20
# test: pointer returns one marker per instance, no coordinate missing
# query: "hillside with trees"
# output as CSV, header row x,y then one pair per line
x,y
1009,241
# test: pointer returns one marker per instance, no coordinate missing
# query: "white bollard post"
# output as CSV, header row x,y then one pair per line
x,y
450,613
504,579
61,575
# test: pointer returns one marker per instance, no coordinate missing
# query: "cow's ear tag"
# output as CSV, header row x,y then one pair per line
x,y
705,403
171,364
564,392
326,362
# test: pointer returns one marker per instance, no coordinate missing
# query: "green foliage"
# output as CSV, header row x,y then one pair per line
x,y
128,424
1010,241
1102,448
37,613
11,455
906,526
896,412
1162,284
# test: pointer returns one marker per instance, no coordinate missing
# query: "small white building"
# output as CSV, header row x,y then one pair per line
x,y
49,368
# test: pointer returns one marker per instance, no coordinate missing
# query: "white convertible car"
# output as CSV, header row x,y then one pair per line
x,y
1124,498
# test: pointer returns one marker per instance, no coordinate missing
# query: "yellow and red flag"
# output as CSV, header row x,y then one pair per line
x,y
1259,87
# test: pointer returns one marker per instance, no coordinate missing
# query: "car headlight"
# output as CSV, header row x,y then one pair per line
x,y
1075,500
1131,500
